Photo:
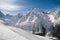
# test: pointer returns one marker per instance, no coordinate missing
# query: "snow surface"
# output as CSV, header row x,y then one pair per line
x,y
7,34
12,33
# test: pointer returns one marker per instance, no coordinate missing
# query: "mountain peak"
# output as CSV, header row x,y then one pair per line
x,y
35,9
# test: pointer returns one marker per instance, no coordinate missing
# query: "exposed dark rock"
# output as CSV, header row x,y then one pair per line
x,y
1,15
56,31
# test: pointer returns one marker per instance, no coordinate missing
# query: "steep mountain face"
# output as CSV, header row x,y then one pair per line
x,y
2,15
55,16
8,16
16,18
35,20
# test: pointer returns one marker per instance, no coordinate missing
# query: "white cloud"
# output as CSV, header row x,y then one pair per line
x,y
9,5
9,1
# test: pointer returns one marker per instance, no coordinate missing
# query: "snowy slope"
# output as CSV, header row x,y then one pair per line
x,y
7,34
12,33
34,19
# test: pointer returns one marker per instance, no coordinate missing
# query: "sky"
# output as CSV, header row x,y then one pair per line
x,y
21,6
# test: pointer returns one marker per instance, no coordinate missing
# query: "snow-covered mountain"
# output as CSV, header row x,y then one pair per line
x,y
35,20
5,18
12,20
13,33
